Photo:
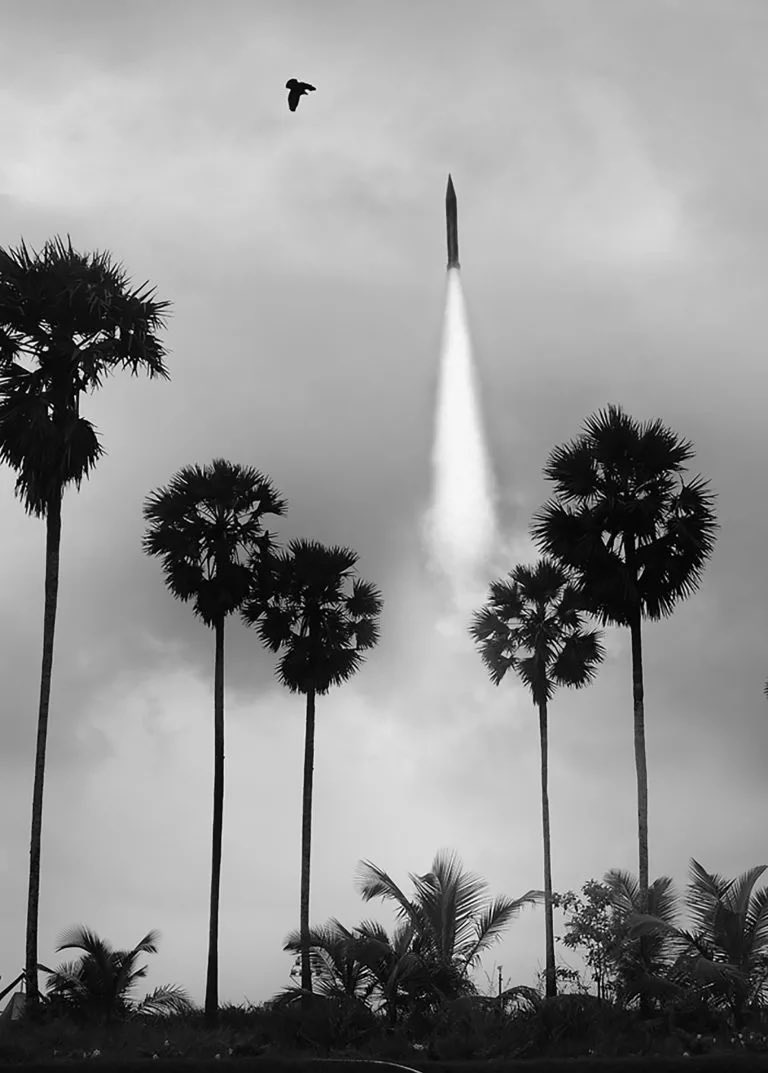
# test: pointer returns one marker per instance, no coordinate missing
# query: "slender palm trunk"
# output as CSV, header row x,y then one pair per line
x,y
640,760
52,549
642,789
306,839
212,978
551,979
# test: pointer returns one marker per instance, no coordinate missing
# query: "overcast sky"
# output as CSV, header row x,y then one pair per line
x,y
612,185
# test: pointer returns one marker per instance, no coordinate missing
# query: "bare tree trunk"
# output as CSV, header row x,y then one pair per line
x,y
640,760
642,788
212,978
306,841
551,978
52,550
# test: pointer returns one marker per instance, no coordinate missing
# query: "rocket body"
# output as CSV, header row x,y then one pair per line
x,y
451,224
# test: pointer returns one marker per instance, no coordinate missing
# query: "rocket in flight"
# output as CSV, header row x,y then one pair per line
x,y
451,224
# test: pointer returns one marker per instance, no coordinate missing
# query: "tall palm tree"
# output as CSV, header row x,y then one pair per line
x,y
534,624
302,605
452,918
727,947
637,536
67,320
207,527
99,983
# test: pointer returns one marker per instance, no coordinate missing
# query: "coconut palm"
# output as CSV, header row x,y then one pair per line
x,y
98,984
302,605
67,320
364,963
336,971
643,964
726,948
452,918
637,536
399,973
207,527
534,624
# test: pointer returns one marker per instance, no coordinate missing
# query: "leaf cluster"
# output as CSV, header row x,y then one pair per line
x,y
98,984
66,321
625,519
533,623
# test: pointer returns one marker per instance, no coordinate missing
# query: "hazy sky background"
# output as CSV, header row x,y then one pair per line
x,y
612,184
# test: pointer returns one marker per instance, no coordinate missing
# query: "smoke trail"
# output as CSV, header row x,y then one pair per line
x,y
461,528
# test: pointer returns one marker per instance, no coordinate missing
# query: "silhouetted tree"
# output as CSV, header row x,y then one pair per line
x,y
642,965
534,624
98,985
307,603
637,536
67,320
727,947
453,920
207,528
337,972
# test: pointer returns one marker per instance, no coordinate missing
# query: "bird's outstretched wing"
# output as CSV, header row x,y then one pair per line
x,y
296,91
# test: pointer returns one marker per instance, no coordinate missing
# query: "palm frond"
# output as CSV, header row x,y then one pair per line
x,y
739,892
492,921
756,923
625,890
165,1000
640,924
577,661
373,882
82,938
662,899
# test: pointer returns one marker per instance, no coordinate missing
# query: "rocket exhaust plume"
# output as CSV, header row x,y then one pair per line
x,y
461,526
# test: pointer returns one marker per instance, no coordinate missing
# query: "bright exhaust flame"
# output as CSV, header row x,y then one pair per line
x,y
461,527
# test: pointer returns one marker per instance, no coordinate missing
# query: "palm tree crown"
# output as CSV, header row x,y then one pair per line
x,y
731,917
727,945
624,518
533,624
301,605
205,526
336,970
452,917
100,981
74,315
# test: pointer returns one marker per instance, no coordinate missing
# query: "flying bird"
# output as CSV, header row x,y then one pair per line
x,y
296,91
